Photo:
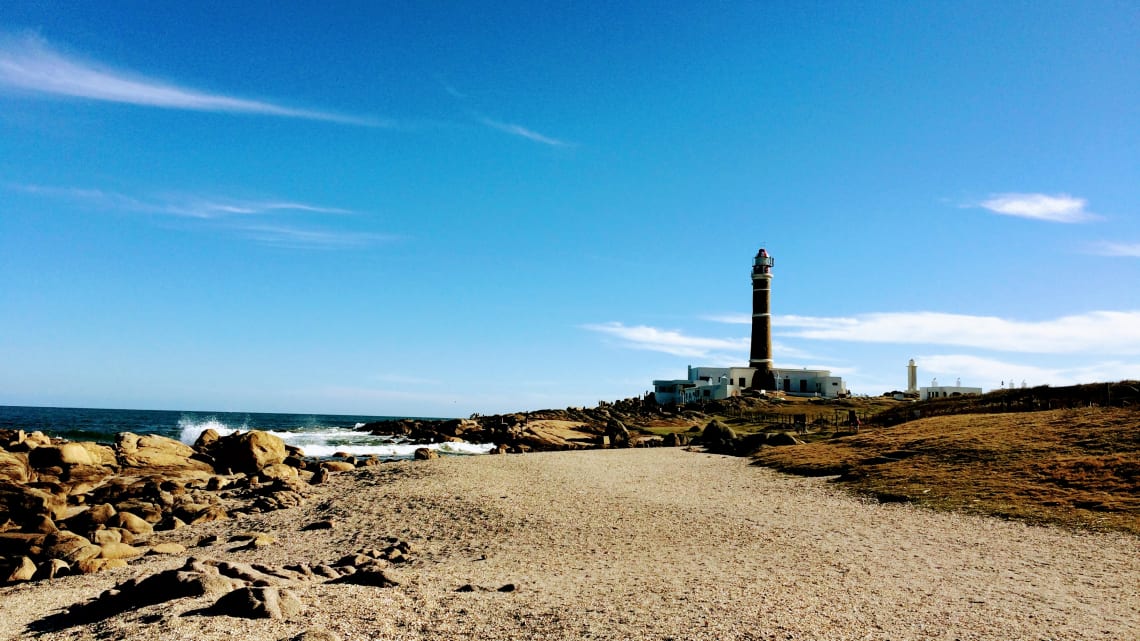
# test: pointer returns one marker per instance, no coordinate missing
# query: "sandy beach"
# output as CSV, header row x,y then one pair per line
x,y
631,544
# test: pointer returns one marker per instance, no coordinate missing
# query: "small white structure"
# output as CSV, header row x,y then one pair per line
x,y
911,377
714,383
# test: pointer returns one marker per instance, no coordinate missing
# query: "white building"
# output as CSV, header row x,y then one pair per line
x,y
714,383
945,391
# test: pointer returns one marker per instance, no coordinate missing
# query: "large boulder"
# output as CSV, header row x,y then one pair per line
x,y
100,454
158,452
258,603
248,452
22,502
14,467
70,547
718,437
617,432
64,455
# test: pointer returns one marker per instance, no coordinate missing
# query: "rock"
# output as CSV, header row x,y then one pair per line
x,y
167,548
20,543
509,587
40,524
617,433
425,454
278,471
24,571
153,451
258,603
718,437
259,541
374,577
131,523
320,476
81,479
147,511
100,454
106,535
673,439
782,438
327,524
337,466
69,547
36,439
193,580
207,515
248,452
120,551
206,439
172,523
100,514
54,568
64,455
14,467
23,502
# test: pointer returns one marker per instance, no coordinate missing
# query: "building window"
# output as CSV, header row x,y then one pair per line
x,y
742,382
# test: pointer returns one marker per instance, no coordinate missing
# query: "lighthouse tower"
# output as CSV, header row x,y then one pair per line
x,y
760,357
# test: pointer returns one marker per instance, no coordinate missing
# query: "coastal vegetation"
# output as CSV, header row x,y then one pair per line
x,y
1005,454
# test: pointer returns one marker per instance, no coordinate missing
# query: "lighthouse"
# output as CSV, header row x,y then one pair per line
x,y
760,357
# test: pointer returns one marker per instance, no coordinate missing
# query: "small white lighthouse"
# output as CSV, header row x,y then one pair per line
x,y
911,378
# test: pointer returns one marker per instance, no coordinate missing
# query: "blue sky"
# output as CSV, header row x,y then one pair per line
x,y
436,210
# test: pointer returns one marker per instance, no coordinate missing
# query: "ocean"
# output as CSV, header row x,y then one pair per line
x,y
319,435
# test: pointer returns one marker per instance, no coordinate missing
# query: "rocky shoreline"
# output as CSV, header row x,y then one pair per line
x,y
79,508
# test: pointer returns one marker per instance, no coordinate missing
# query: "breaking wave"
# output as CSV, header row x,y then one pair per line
x,y
320,441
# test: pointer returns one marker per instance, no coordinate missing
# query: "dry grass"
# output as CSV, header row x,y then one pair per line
x,y
1073,467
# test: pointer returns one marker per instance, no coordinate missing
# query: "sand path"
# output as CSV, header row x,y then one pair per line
x,y
645,544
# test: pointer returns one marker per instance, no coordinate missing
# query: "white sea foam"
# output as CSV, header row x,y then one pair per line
x,y
325,441
191,428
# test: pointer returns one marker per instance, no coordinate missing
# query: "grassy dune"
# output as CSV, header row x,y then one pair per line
x,y
1073,467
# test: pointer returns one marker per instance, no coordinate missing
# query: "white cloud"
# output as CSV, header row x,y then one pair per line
x,y
28,63
713,351
235,214
1130,250
1098,332
993,372
523,132
186,205
669,341
1060,208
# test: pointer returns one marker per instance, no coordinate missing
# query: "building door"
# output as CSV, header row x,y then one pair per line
x,y
803,386
787,385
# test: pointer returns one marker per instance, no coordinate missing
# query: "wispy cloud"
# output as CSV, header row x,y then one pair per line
x,y
716,351
257,220
1130,250
1059,208
1098,332
668,341
28,63
523,132
293,237
174,204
